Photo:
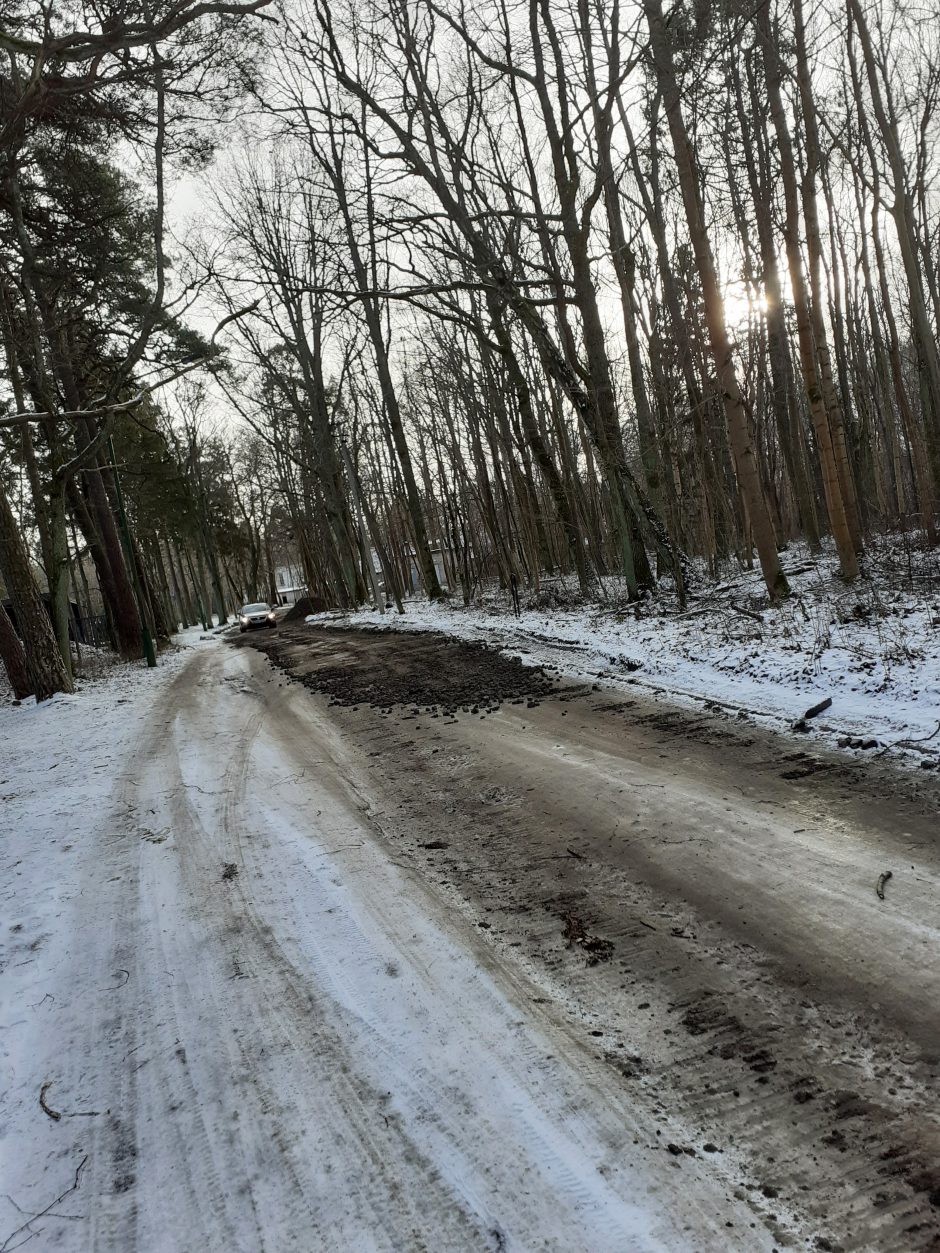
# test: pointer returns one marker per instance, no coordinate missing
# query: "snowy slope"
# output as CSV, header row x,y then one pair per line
x,y
876,654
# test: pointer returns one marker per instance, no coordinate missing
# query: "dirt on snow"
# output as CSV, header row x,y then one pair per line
x,y
431,674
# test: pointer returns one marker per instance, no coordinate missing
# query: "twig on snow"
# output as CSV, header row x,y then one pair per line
x,y
46,1109
747,613
920,740
292,778
57,1114
202,790
6,1247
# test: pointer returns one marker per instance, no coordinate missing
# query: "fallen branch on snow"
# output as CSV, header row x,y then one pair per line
x,y
747,613
6,1246
812,712
818,709
880,886
58,1114
120,971
921,740
53,1113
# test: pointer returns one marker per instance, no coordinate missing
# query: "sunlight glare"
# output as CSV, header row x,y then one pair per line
x,y
742,305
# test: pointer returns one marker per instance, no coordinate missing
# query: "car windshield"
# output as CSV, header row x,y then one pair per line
x,y
255,609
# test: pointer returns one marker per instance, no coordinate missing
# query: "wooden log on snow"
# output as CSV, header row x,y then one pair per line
x,y
802,724
818,709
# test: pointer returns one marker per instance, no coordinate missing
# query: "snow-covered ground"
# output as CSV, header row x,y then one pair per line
x,y
873,650
231,1021
57,784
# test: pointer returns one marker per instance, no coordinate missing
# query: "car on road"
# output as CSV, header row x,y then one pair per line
x,y
252,616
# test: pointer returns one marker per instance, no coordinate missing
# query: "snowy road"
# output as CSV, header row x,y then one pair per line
x,y
234,1021
748,988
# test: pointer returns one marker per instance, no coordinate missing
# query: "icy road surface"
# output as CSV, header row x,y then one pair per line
x,y
231,1021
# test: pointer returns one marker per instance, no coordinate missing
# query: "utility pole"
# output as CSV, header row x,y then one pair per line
x,y
145,635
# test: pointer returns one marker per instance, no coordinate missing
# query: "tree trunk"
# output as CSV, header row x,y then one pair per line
x,y
45,669
14,658
903,213
831,399
371,310
739,435
832,487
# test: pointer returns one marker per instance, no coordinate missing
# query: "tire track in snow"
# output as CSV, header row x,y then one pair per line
x,y
299,732
278,1036
313,1054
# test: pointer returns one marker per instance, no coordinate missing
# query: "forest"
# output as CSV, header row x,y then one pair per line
x,y
437,296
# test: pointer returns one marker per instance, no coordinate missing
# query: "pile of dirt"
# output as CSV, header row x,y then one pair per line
x,y
306,605
385,669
